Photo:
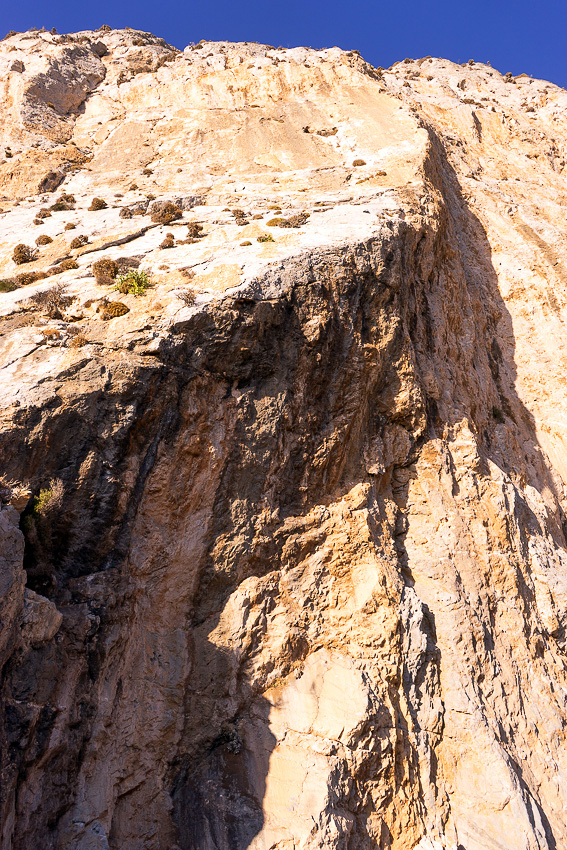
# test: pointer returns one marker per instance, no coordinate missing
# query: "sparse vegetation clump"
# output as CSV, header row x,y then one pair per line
x,y
165,213
64,266
194,230
26,278
188,296
104,270
267,237
125,264
113,309
40,516
43,213
8,284
63,203
70,226
51,333
51,302
97,204
24,254
245,244
168,242
292,221
358,162
48,498
79,241
238,214
134,282
44,239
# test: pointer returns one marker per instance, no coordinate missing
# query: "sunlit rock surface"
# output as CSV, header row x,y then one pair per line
x,y
283,557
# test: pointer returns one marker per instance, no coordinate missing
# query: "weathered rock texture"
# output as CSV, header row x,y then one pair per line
x,y
292,568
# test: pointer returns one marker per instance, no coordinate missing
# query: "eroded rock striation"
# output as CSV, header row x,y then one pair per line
x,y
283,556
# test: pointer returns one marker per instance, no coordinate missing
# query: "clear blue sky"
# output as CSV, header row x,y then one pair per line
x,y
519,36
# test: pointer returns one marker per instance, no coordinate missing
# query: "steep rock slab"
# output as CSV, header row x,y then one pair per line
x,y
296,578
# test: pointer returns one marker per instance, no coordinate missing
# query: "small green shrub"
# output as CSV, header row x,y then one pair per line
x,y
8,284
39,516
44,239
70,226
134,282
97,204
267,237
24,254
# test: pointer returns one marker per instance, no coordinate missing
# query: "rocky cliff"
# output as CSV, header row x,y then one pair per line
x,y
283,558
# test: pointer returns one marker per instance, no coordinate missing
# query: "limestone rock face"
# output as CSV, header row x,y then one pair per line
x,y
282,536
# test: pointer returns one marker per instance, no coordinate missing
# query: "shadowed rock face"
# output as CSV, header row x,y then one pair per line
x,y
282,550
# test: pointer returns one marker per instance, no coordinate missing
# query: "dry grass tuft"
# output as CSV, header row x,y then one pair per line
x,y
24,254
113,309
97,204
51,302
165,213
104,271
